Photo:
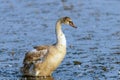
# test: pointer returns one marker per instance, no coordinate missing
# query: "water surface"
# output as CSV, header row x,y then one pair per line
x,y
93,49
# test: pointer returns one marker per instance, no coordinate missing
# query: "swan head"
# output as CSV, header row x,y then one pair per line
x,y
68,21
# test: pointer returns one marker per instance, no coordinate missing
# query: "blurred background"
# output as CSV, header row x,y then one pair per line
x,y
93,49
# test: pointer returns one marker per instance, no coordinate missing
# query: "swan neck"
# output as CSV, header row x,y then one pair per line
x,y
61,40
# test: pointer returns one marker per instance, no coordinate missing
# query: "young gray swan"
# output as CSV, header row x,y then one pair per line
x,y
44,59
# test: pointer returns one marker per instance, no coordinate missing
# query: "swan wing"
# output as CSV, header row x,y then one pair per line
x,y
38,54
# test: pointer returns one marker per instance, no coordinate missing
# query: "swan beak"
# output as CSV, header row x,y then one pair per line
x,y
72,24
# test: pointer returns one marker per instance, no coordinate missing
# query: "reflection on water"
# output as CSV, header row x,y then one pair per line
x,y
36,78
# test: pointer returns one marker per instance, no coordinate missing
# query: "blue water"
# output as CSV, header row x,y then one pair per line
x,y
93,49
